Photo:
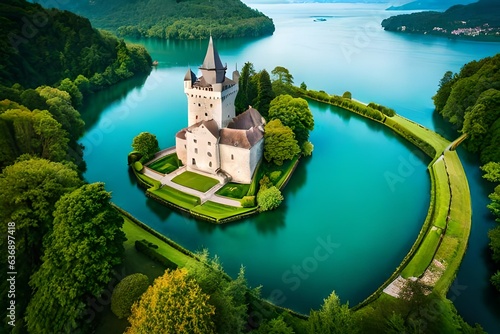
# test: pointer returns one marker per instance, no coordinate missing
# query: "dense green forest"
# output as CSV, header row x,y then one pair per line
x,y
63,238
173,19
43,46
479,20
470,100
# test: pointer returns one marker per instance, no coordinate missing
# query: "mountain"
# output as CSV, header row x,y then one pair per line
x,y
479,21
44,46
439,5
172,19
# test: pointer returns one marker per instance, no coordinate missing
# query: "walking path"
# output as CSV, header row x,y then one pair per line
x,y
166,179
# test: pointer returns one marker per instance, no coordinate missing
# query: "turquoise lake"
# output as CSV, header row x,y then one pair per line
x,y
345,225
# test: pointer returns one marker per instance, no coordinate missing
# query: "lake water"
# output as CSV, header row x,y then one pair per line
x,y
343,225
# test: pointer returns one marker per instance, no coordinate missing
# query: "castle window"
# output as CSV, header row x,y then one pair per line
x,y
209,143
185,146
211,105
199,104
210,164
196,150
194,161
206,114
209,154
232,156
196,116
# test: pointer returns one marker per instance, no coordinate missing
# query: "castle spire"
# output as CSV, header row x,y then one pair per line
x,y
211,64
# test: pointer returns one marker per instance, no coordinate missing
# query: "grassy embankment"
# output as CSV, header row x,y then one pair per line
x,y
442,241
211,211
135,261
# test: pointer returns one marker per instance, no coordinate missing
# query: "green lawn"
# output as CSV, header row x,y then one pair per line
x,y
424,254
176,197
195,181
434,139
234,190
166,165
219,211
442,195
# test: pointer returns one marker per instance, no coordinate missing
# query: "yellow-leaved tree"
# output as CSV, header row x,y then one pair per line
x,y
173,304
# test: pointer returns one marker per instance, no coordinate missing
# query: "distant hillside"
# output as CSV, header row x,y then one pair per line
x,y
42,47
439,5
172,19
479,20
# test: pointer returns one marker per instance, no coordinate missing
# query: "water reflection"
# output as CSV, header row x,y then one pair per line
x,y
272,221
161,211
92,107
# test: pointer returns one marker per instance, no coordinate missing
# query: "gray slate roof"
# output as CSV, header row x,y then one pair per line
x,y
248,119
211,126
212,60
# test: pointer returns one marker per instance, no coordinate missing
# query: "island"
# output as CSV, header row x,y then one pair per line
x,y
215,171
478,21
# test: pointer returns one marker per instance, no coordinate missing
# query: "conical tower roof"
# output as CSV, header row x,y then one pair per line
x,y
212,60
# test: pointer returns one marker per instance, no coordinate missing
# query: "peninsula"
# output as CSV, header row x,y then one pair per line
x,y
478,21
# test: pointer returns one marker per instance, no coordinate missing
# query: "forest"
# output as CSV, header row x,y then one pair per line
x,y
477,20
470,101
173,19
43,46
62,237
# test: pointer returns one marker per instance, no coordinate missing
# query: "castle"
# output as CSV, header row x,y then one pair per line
x,y
216,141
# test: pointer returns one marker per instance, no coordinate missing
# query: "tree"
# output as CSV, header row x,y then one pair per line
x,y
495,280
72,89
494,235
480,117
227,296
35,133
294,113
491,171
279,143
282,80
307,148
146,144
127,292
30,190
247,91
265,94
494,206
173,304
85,245
347,95
332,317
269,198
274,326
445,86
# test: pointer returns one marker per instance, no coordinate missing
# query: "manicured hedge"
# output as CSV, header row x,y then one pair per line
x,y
149,249
128,291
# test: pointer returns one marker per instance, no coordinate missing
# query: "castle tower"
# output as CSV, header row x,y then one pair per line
x,y
212,95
